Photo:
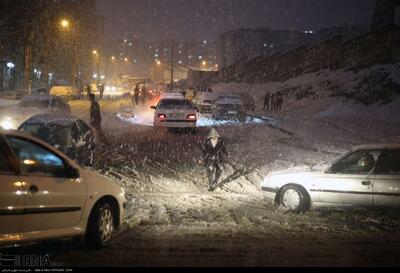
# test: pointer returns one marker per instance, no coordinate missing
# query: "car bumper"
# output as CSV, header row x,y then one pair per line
x,y
175,124
269,194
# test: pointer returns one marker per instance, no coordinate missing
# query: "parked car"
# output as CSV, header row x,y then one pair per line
x,y
366,176
203,102
249,102
11,117
229,107
174,113
65,91
69,134
46,195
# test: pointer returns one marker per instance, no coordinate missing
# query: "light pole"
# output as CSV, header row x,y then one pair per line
x,y
66,26
97,58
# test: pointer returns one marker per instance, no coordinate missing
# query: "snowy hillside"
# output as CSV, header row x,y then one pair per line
x,y
367,101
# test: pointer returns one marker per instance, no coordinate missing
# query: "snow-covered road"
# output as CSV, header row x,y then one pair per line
x,y
173,219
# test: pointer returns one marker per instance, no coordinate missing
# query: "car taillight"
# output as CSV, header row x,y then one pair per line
x,y
191,116
162,116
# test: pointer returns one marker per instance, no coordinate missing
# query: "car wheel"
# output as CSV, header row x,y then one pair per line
x,y
294,198
101,225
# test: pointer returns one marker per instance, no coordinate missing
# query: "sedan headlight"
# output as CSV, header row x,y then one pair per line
x,y
7,123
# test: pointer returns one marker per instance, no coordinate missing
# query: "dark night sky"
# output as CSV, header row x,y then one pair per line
x,y
205,19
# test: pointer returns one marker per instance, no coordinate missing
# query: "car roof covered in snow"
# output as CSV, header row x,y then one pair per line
x,y
378,146
54,118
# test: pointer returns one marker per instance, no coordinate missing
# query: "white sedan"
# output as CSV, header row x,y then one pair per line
x,y
174,113
366,176
44,195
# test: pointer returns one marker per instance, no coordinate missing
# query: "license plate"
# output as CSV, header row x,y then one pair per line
x,y
176,115
232,112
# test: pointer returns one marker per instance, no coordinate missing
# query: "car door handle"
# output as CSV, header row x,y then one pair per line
x,y
366,183
33,189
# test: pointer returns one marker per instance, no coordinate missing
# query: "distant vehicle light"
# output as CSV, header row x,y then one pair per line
x,y
161,116
191,116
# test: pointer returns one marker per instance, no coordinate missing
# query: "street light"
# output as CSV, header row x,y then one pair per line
x,y
94,52
125,59
73,29
64,23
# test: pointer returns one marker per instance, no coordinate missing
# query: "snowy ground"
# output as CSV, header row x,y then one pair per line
x,y
174,220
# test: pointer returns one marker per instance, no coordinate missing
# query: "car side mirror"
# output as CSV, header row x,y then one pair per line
x,y
153,107
73,173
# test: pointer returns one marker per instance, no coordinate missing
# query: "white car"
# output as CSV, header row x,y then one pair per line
x,y
45,195
11,117
366,176
174,113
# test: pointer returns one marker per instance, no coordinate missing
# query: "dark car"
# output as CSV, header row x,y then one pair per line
x,y
67,133
229,107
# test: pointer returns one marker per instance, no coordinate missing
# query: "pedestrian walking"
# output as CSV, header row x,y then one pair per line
x,y
214,155
279,101
88,90
144,94
95,117
136,94
101,90
267,101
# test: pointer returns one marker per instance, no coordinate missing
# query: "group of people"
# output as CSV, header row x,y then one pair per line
x,y
139,95
273,102
100,88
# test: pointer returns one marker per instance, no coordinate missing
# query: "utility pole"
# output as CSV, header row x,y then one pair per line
x,y
172,65
28,60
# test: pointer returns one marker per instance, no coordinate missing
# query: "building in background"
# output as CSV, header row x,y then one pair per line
x,y
236,45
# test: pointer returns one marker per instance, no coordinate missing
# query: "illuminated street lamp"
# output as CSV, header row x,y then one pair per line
x,y
73,30
125,59
112,58
204,63
158,62
64,23
94,52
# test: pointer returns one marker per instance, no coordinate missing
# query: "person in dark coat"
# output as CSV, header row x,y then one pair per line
x,y
95,117
144,94
101,90
136,94
214,155
88,90
267,101
279,101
